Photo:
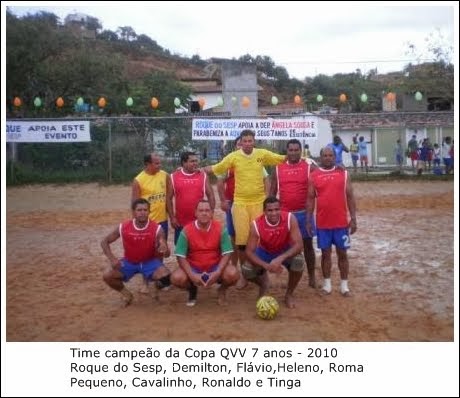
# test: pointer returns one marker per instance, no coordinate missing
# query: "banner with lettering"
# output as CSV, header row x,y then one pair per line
x,y
266,129
48,131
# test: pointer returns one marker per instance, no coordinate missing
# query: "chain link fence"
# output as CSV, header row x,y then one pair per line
x,y
118,145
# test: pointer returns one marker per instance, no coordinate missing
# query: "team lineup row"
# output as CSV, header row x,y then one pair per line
x,y
267,225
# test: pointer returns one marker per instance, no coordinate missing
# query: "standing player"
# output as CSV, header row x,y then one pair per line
x,y
331,187
153,184
189,186
248,164
226,191
290,184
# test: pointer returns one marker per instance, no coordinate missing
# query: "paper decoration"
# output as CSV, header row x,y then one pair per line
x,y
101,102
154,103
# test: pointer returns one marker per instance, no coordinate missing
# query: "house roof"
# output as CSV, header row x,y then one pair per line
x,y
350,121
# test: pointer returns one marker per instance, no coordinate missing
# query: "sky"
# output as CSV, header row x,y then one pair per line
x,y
307,38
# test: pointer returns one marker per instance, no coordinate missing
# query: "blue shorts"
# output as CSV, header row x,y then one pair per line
x,y
339,237
268,257
146,268
204,275
229,221
301,217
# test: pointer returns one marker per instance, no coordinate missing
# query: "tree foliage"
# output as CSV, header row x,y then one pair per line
x,y
48,60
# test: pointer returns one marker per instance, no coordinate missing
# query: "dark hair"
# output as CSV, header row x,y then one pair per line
x,y
270,199
294,141
148,158
139,201
185,155
248,132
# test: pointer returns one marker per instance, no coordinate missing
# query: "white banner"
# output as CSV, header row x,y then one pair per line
x,y
48,131
266,129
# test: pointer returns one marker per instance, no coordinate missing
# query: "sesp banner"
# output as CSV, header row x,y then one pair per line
x,y
48,131
265,129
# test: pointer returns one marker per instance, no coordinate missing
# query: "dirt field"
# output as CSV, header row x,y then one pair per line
x,y
401,275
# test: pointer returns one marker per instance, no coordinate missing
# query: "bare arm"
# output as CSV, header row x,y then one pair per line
x,y
207,169
185,265
274,184
310,206
169,203
267,185
162,246
224,204
251,247
210,194
135,191
296,241
169,191
214,276
351,206
105,244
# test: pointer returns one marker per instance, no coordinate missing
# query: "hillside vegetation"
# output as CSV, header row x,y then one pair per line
x,y
48,59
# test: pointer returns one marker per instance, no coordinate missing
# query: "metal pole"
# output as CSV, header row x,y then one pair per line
x,y
13,161
110,152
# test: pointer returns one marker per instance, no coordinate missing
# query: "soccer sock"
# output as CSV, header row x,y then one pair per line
x,y
192,292
327,285
165,281
344,286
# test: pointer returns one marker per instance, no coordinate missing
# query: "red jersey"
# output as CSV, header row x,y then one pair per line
x,y
204,250
230,185
331,198
274,239
293,185
189,189
139,244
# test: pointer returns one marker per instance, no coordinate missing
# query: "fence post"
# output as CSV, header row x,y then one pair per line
x,y
110,151
13,161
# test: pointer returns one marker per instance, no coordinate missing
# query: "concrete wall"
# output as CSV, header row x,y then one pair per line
x,y
239,80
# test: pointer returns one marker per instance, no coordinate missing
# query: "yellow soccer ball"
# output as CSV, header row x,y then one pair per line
x,y
267,307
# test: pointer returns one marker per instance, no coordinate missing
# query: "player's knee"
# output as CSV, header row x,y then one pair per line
x,y
297,264
249,272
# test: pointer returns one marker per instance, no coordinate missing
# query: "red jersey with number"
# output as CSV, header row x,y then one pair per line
x,y
139,244
331,198
274,239
204,250
293,185
189,189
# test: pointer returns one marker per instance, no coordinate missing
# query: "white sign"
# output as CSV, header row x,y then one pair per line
x,y
48,131
265,129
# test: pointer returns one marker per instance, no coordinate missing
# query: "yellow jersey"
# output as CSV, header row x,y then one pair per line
x,y
249,181
153,188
